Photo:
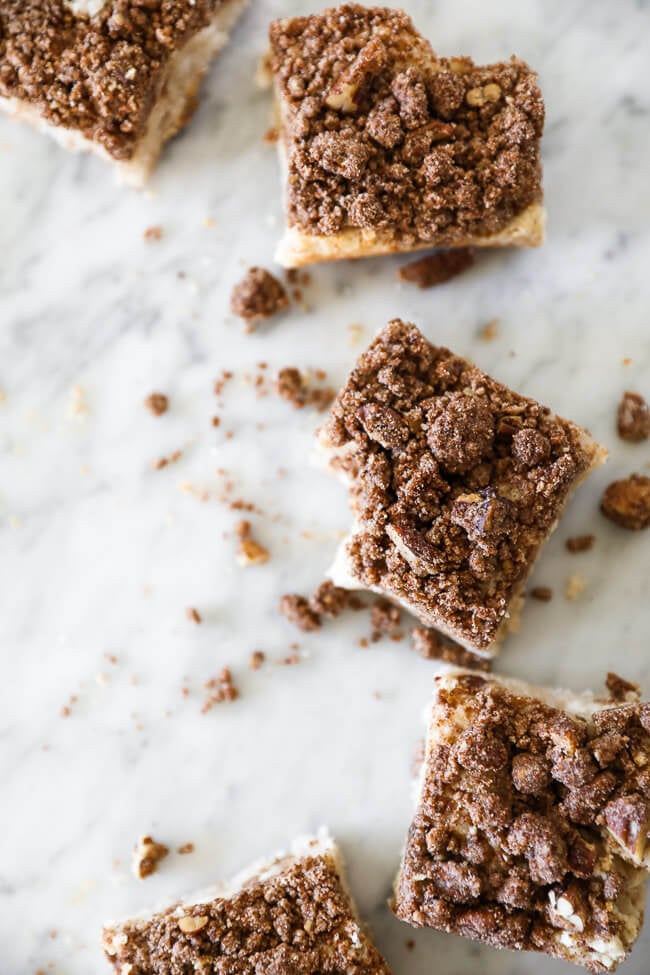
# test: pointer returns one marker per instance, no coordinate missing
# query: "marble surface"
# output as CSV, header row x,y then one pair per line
x,y
100,555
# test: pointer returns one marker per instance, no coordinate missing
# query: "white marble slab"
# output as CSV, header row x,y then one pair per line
x,y
101,555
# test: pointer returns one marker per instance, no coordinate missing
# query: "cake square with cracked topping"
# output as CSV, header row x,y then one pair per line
x,y
455,483
532,820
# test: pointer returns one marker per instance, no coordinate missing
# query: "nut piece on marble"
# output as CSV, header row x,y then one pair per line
x,y
147,855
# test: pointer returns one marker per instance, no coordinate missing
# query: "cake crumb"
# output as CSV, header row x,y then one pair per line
x,y
153,233
161,462
438,268
147,855
249,551
219,689
633,418
157,403
78,404
581,543
575,586
489,331
430,645
384,619
542,593
259,295
290,659
294,387
185,849
296,610
627,502
222,380
193,615
256,659
329,600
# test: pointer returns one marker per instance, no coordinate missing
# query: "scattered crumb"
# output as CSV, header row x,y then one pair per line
x,y
633,418
185,848
218,689
209,222
329,600
78,404
219,383
490,330
581,543
147,855
543,593
384,618
294,387
256,659
290,659
430,645
161,462
627,361
575,586
434,269
157,403
271,135
296,610
621,689
249,552
193,615
153,233
410,944
216,421
257,296
627,502
355,334
65,711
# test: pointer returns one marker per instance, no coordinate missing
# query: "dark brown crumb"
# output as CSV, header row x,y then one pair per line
x,y
157,403
257,296
193,615
329,600
438,268
430,645
219,689
581,543
633,418
410,944
147,855
296,610
364,642
543,593
186,848
384,619
621,689
153,233
161,462
256,659
293,386
627,502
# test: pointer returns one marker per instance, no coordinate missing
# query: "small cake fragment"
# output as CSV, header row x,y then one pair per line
x,y
259,295
117,78
532,821
435,269
633,418
455,483
292,914
627,502
388,148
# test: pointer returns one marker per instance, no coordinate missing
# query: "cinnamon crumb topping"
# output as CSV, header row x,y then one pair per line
x,y
627,502
157,403
259,295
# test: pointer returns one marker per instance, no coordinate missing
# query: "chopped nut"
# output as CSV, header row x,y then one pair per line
x,y
252,553
153,233
219,689
575,586
147,856
157,403
190,923
633,418
543,593
193,615
477,97
627,502
437,268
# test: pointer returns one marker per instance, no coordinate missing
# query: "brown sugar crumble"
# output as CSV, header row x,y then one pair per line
x,y
259,295
147,855
157,403
633,418
532,822
385,618
161,462
381,135
329,600
153,233
432,646
435,269
296,610
219,689
544,594
249,551
256,659
455,483
627,502
185,849
193,615
489,331
580,543
294,386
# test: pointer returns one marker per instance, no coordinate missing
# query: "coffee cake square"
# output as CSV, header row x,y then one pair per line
x,y
387,147
113,77
455,483
290,914
532,820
